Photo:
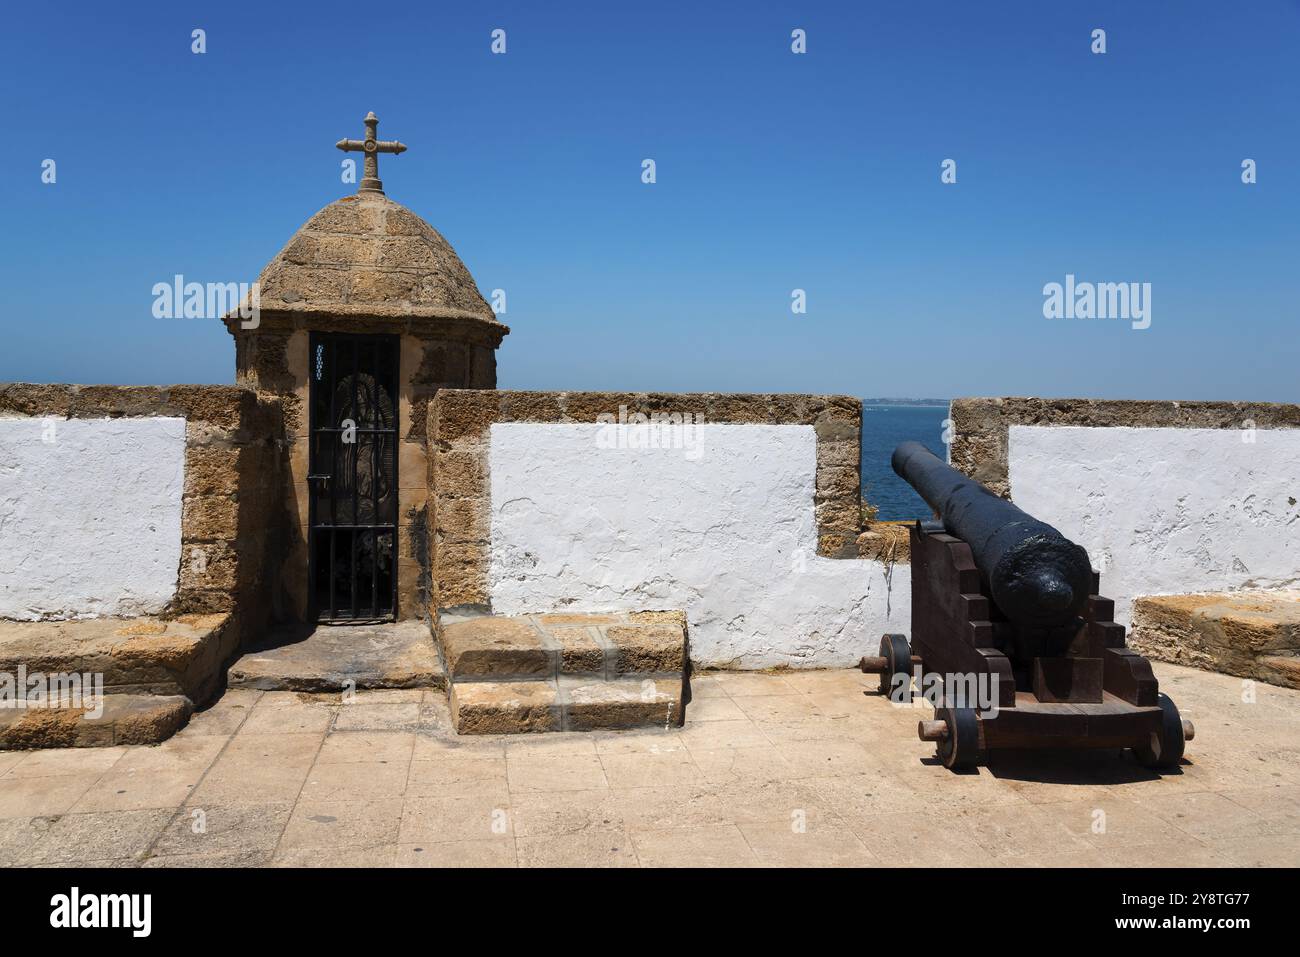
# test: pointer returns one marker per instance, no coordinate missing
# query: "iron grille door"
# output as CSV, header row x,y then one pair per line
x,y
352,480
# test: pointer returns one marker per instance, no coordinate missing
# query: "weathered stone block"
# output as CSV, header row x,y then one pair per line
x,y
147,719
460,471
1251,634
491,707
837,515
458,520
789,409
674,617
351,217
222,406
50,728
838,454
483,373
407,253
94,401
443,364
201,601
838,481
413,543
179,656
381,286
580,652
292,284
458,414
211,470
885,542
206,518
591,406
28,398
402,222
826,407
595,705
496,647
207,566
532,406
837,430
740,407
842,545
648,648
460,574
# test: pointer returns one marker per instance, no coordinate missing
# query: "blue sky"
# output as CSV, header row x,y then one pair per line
x,y
775,172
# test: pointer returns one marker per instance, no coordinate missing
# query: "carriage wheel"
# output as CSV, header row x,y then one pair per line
x,y
896,676
1164,748
959,748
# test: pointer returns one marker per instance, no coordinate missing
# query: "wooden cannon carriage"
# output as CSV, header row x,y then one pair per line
x,y
1010,639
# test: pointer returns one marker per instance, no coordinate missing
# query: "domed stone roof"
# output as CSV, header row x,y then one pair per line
x,y
365,255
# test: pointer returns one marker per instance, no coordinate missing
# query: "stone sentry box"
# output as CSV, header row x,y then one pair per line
x,y
229,497
366,265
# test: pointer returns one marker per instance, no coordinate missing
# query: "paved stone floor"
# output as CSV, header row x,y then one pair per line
x,y
799,769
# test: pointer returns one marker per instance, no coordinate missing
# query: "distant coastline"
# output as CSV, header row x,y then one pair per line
x,y
927,403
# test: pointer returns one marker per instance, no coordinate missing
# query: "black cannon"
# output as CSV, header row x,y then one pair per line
x,y
1011,642
1039,579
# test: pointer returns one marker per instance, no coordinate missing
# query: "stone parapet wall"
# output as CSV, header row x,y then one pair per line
x,y
459,425
981,425
231,513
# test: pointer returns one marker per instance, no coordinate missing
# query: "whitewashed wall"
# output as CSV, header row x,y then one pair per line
x,y
722,529
90,516
1167,511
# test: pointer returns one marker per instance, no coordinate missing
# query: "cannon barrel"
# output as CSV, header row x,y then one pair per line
x,y
1037,576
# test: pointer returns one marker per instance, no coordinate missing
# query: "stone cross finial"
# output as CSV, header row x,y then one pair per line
x,y
372,147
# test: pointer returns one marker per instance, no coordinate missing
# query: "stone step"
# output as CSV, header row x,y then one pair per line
x,y
180,656
536,647
565,672
125,719
1254,634
566,704
340,657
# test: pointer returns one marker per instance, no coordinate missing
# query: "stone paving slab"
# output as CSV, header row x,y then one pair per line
x,y
338,657
831,775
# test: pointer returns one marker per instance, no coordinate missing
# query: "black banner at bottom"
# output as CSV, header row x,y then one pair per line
x,y
304,906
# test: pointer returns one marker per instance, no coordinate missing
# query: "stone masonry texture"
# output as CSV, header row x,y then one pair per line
x,y
1252,634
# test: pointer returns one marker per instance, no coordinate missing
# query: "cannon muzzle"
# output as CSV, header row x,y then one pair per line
x,y
1038,578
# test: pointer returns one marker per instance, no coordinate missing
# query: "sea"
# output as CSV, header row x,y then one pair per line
x,y
883,428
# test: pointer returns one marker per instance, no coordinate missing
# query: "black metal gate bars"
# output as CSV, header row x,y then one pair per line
x,y
352,480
